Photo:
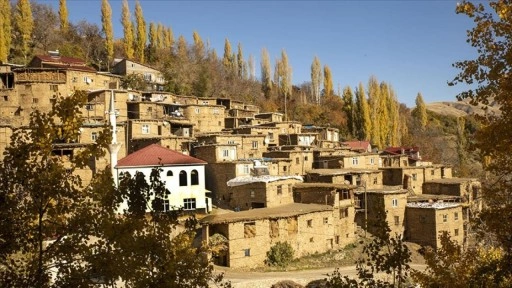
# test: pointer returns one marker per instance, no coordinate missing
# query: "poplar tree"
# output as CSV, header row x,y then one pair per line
x,y
181,50
24,23
153,38
140,43
363,121
127,30
228,60
328,84
284,79
63,14
394,117
199,49
383,116
251,68
348,108
373,103
266,74
106,20
168,38
240,62
316,79
160,36
420,112
5,28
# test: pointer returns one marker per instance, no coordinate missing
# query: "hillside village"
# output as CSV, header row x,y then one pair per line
x,y
280,180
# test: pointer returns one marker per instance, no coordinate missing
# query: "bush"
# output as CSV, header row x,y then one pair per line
x,y
281,254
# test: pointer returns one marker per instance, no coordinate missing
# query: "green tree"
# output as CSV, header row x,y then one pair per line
x,y
316,79
127,30
106,20
24,24
362,121
63,14
5,27
328,84
266,74
490,69
348,108
140,42
420,111
280,254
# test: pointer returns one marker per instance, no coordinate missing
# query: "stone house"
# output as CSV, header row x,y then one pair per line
x,y
152,76
270,133
386,204
348,160
184,177
358,146
270,117
216,153
340,197
285,127
298,139
357,177
265,191
301,159
206,118
426,221
248,145
468,189
99,101
248,235
327,137
412,177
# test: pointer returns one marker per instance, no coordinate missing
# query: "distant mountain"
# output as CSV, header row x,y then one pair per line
x,y
461,108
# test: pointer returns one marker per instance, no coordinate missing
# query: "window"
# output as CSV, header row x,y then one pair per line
x,y
145,129
35,100
414,176
456,216
372,161
252,194
247,252
189,204
150,109
456,232
197,110
375,181
279,189
6,98
215,111
284,168
246,169
297,160
432,172
169,173
250,230
345,195
337,239
270,135
94,136
194,177
89,107
445,217
394,202
397,220
254,144
343,212
54,87
326,220
311,239
355,161
310,223
183,178
225,153
74,79
305,158
231,141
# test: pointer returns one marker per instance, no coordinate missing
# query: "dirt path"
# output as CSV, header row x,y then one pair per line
x,y
266,279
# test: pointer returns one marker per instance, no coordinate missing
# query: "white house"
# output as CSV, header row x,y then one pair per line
x,y
184,176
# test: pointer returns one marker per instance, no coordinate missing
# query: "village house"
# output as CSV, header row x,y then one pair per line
x,y
206,118
376,205
270,117
412,177
408,155
248,235
327,137
468,189
285,127
357,177
340,197
349,160
153,77
358,146
426,221
248,145
301,159
270,133
262,191
184,177
298,139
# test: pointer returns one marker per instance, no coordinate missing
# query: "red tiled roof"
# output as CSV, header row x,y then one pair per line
x,y
156,155
61,59
398,150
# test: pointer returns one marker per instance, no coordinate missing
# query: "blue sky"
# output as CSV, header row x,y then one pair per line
x,y
409,44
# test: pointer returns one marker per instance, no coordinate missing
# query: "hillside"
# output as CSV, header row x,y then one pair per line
x,y
460,108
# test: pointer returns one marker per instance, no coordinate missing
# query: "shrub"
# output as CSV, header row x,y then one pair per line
x,y
281,254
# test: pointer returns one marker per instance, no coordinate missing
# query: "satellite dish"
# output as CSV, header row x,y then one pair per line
x,y
267,140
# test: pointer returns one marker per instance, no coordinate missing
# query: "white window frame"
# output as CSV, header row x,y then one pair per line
x,y
254,144
355,161
189,204
94,136
225,153
394,202
145,129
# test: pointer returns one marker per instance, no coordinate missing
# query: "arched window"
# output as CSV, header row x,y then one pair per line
x,y
183,178
169,173
194,178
